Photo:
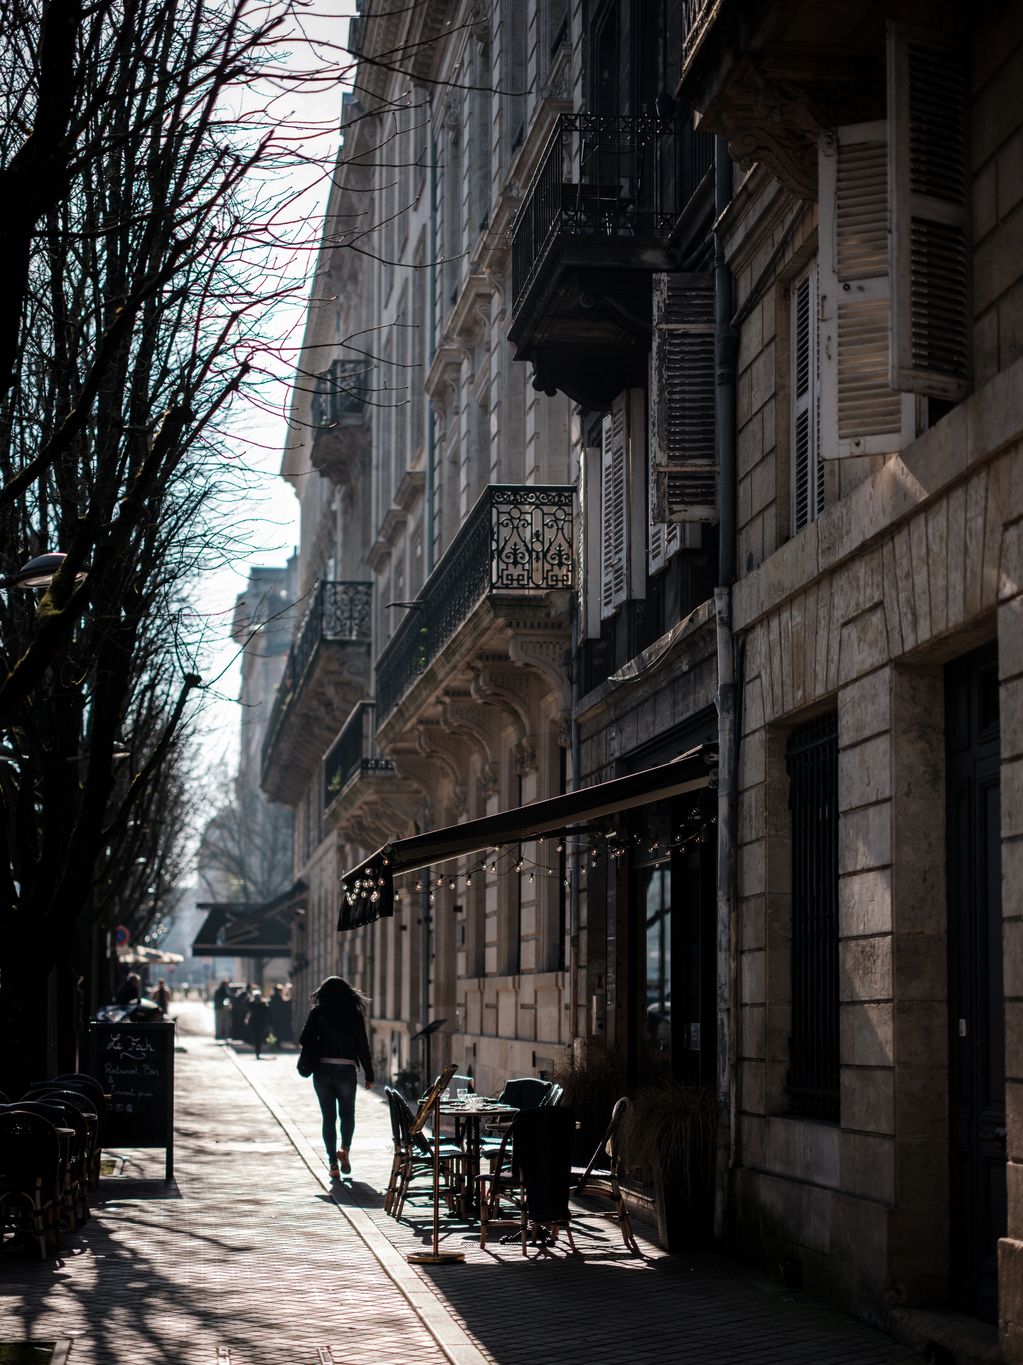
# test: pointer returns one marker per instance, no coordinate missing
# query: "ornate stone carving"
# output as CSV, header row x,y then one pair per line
x,y
487,782
543,654
524,756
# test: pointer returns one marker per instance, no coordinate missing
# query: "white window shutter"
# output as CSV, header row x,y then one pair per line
x,y
860,413
614,510
928,156
683,458
807,474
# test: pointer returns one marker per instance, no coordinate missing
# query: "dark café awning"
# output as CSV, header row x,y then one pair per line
x,y
367,891
244,929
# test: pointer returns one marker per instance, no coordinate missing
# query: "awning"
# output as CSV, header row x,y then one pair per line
x,y
367,891
142,955
247,929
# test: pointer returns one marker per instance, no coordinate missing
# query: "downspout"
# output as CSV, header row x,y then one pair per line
x,y
726,353
572,860
431,312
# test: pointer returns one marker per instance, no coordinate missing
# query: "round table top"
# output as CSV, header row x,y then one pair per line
x,y
487,1108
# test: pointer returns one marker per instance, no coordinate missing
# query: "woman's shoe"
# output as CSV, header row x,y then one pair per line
x,y
335,1174
346,1165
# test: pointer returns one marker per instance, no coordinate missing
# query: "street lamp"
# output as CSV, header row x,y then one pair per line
x,y
39,572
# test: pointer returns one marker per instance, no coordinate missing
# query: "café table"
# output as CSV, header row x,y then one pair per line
x,y
468,1117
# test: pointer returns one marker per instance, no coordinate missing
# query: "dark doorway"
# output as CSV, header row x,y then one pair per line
x,y
976,1007
673,1034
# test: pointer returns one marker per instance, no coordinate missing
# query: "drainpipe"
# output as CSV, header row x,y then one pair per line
x,y
572,860
431,313
726,352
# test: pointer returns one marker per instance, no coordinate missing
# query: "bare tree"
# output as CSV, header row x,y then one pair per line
x,y
142,230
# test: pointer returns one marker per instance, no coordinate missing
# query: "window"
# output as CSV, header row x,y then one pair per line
x,y
812,759
894,246
804,369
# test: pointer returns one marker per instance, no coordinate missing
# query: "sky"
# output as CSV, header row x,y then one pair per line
x,y
272,510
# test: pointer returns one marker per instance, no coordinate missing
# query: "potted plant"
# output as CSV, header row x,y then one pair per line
x,y
592,1080
669,1134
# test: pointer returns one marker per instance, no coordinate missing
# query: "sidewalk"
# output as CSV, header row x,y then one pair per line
x,y
248,1260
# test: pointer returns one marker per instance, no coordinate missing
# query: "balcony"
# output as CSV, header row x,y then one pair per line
x,y
353,754
515,549
612,201
340,421
772,75
327,671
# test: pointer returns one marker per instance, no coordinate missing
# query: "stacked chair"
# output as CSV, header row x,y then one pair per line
x,y
50,1144
413,1156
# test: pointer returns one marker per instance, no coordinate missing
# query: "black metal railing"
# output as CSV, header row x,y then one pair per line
x,y
354,751
696,17
516,539
605,177
337,612
340,392
813,1080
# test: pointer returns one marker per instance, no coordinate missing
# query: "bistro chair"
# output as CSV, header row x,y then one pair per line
x,y
600,1179
553,1095
80,1105
30,1189
72,1138
414,1156
537,1186
93,1091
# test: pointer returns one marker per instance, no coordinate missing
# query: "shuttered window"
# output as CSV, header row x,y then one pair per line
x,y
860,413
804,436
928,162
614,509
682,437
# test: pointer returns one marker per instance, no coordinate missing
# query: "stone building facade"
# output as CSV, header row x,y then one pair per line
x,y
717,305
873,242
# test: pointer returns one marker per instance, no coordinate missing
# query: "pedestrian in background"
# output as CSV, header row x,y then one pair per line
x,y
222,1009
280,1016
335,1034
162,996
257,1021
130,990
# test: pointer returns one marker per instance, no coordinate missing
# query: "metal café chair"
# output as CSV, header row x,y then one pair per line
x,y
536,1186
600,1179
414,1153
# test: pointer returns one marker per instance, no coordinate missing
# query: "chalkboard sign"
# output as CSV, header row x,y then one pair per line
x,y
134,1063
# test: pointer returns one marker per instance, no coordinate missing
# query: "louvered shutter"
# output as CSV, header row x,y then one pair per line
x,y
614,510
807,474
927,149
664,540
860,413
682,446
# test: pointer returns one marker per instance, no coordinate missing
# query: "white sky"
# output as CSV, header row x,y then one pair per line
x,y
272,513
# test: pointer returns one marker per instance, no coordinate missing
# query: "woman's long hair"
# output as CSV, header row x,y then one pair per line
x,y
340,1002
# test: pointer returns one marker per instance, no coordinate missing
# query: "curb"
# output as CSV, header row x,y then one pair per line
x,y
453,1340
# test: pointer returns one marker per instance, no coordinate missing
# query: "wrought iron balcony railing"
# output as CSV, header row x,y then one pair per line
x,y
340,392
604,178
354,751
696,19
517,539
337,612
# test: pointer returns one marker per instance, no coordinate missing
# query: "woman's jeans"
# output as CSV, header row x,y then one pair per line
x,y
335,1088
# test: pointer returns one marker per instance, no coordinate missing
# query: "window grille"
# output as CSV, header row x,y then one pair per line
x,y
812,759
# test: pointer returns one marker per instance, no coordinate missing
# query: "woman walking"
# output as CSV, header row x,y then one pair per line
x,y
335,1034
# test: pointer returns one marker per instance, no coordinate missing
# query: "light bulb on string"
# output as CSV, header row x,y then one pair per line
x,y
532,879
493,867
519,865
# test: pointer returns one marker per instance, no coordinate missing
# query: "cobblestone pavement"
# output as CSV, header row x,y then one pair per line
x,y
248,1259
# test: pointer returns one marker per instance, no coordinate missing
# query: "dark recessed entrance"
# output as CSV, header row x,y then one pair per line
x,y
976,1006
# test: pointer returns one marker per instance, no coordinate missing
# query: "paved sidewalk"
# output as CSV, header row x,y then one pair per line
x,y
248,1260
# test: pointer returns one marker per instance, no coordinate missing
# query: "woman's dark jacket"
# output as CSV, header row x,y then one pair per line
x,y
324,1038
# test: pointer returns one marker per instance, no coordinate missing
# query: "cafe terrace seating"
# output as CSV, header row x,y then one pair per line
x,y
30,1177
535,1190
414,1155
